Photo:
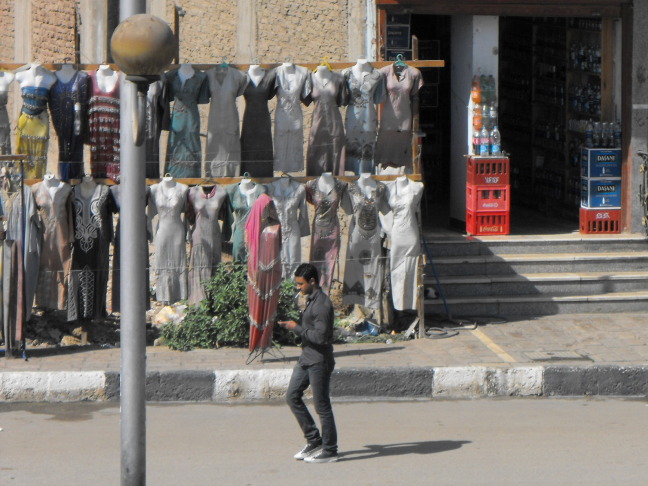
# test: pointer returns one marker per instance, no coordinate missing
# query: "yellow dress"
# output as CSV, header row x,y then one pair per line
x,y
33,131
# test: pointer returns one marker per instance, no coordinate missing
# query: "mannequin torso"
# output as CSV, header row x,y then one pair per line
x,y
402,185
66,73
256,72
366,184
87,186
326,182
186,71
6,78
52,183
246,188
323,74
106,78
360,69
36,76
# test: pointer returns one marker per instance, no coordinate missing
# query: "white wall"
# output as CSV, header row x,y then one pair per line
x,y
475,44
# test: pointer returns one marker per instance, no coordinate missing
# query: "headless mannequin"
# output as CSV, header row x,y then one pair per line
x,y
289,67
326,182
106,78
246,188
66,73
87,186
402,185
168,181
185,72
323,73
36,76
366,184
360,69
6,78
52,183
256,73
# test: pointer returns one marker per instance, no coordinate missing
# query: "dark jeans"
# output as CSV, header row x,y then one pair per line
x,y
318,376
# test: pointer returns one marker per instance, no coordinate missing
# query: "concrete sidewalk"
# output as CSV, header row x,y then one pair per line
x,y
562,355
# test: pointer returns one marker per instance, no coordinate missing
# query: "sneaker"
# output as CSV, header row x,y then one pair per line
x,y
322,456
307,451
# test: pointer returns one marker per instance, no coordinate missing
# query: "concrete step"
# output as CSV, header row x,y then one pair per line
x,y
529,305
526,263
583,283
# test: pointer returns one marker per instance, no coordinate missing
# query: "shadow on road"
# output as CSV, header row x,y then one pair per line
x,y
425,447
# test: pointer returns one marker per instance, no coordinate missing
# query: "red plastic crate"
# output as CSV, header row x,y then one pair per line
x,y
488,223
600,221
483,171
488,198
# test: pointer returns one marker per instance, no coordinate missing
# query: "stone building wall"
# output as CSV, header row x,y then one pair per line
x,y
6,31
53,24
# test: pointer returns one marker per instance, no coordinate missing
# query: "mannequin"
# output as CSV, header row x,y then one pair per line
x,y
36,76
367,184
6,78
402,185
186,71
87,186
168,180
326,182
106,78
256,73
246,188
361,69
323,73
66,73
51,183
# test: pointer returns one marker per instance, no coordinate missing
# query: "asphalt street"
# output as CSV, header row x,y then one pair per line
x,y
546,441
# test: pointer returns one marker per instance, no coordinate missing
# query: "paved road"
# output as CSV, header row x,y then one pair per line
x,y
472,442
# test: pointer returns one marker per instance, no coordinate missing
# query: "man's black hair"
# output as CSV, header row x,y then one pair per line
x,y
307,271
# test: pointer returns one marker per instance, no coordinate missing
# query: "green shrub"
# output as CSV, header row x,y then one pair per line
x,y
221,319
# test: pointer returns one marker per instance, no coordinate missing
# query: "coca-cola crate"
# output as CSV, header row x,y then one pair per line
x,y
488,198
483,171
600,221
488,223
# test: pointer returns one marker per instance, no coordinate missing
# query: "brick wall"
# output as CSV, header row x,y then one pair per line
x,y
53,30
6,31
208,31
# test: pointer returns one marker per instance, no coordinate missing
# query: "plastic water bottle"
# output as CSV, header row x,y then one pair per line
x,y
493,115
617,134
475,93
589,135
484,142
475,142
496,142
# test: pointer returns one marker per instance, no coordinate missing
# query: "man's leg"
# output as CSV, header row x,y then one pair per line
x,y
299,381
320,379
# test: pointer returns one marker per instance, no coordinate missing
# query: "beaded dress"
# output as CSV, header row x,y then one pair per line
x,y
103,131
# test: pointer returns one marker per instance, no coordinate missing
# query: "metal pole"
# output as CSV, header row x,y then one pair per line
x,y
133,284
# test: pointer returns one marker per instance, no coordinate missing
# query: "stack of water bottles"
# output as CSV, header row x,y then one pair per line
x,y
486,138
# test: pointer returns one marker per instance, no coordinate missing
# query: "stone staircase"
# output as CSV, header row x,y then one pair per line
x,y
536,275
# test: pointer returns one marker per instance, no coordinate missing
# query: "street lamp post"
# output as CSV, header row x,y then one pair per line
x,y
142,46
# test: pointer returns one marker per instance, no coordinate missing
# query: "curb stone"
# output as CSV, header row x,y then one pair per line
x,y
237,386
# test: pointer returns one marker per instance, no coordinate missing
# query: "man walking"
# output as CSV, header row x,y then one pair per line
x,y
314,368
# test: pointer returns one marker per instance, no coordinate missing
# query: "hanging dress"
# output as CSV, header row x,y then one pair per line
x,y
363,272
103,131
93,233
203,213
170,266
239,207
405,243
256,135
394,146
57,217
361,120
290,202
184,150
326,140
155,111
5,129
325,233
292,89
33,131
62,98
263,235
223,151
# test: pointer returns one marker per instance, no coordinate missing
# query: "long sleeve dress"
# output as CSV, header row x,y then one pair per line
x,y
184,151
405,237
62,98
57,216
203,213
103,131
361,119
239,207
293,86
256,135
326,140
290,201
394,146
155,112
363,273
223,158
93,233
170,266
5,129
325,234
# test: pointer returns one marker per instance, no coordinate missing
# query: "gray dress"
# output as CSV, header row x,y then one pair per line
x,y
326,141
292,89
5,129
363,274
223,152
170,266
203,214
290,201
361,120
